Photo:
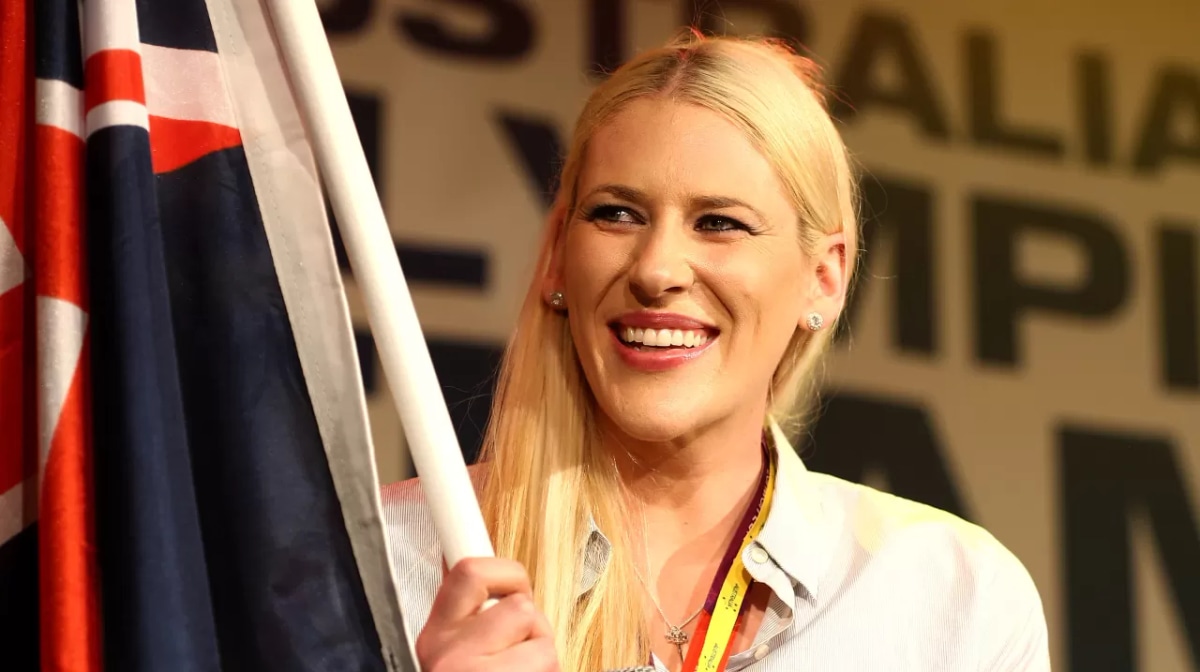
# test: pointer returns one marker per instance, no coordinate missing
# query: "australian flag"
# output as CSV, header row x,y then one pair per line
x,y
186,473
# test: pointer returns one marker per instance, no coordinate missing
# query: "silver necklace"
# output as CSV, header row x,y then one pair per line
x,y
675,633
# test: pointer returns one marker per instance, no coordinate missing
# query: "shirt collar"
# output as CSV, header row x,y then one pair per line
x,y
801,529
596,552
799,534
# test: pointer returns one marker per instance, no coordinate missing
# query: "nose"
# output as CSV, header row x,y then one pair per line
x,y
661,266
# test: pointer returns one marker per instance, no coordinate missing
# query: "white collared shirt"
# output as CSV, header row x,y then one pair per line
x,y
860,580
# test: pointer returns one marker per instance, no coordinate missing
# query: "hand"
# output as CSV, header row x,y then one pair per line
x,y
510,635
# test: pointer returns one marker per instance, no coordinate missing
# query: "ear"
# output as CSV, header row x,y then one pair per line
x,y
830,277
552,278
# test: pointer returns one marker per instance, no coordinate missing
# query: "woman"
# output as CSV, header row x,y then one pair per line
x,y
634,471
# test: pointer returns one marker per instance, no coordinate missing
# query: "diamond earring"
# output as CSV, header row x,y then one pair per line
x,y
815,321
556,299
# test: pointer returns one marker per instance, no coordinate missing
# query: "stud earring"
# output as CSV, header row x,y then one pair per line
x,y
556,299
815,321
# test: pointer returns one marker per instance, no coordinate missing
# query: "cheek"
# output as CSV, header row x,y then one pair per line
x,y
765,290
591,263
588,271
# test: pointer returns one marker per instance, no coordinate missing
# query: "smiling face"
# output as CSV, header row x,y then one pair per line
x,y
683,271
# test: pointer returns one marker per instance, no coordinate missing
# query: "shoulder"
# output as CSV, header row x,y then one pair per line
x,y
406,510
885,523
413,544
941,560
406,515
415,552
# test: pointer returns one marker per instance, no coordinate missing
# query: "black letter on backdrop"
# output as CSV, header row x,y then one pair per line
x,y
365,109
1104,478
510,36
536,143
855,433
900,214
467,374
785,18
1095,109
1002,297
1179,278
345,16
364,345
879,37
606,36
983,99
1177,94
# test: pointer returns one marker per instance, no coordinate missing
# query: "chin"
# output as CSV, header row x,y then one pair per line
x,y
656,422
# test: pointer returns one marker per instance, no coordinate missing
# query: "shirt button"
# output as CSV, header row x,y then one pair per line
x,y
758,555
761,652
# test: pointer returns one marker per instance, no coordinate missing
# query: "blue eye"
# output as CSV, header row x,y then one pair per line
x,y
611,213
720,224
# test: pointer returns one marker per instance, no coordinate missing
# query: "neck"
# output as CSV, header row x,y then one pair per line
x,y
692,490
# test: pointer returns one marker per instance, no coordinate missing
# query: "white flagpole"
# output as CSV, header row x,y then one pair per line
x,y
402,349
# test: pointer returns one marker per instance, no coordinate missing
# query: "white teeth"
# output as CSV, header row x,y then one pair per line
x,y
663,338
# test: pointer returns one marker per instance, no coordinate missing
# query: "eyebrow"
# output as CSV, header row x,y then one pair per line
x,y
699,202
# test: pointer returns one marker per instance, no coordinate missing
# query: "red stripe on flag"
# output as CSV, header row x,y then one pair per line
x,y
15,86
67,572
59,204
70,603
113,74
174,143
15,463
17,453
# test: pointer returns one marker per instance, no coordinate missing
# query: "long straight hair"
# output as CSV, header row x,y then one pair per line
x,y
547,475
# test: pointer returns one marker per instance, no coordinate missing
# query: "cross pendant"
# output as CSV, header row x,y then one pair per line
x,y
677,636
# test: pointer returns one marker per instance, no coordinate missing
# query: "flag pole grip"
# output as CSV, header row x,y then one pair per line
x,y
403,352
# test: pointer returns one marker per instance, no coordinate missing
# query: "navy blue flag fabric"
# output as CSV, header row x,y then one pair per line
x,y
222,543
221,540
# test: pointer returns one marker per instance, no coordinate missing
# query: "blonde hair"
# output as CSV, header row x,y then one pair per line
x,y
547,474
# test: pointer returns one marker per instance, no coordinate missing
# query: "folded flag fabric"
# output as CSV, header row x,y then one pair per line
x,y
186,473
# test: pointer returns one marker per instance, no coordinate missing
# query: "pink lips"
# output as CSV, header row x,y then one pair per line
x,y
659,359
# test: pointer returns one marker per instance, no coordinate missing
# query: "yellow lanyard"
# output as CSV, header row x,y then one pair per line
x,y
718,630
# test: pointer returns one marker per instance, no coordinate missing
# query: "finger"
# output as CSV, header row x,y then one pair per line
x,y
513,620
541,626
534,655
471,582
